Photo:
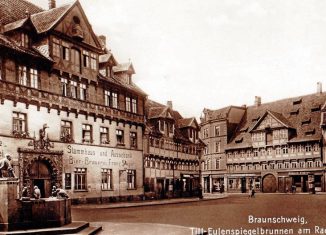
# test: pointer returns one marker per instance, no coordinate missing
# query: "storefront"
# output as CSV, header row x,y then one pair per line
x,y
243,182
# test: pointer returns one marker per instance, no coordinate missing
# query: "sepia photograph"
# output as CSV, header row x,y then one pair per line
x,y
179,117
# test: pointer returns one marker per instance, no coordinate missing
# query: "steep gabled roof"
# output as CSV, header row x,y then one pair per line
x,y
15,10
46,20
187,122
43,20
278,116
106,58
124,67
8,43
282,110
160,112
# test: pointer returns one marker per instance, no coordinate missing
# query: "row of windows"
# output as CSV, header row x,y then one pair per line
x,y
277,134
73,89
80,179
217,132
62,50
279,150
28,77
66,132
216,150
272,166
206,165
170,145
163,126
167,165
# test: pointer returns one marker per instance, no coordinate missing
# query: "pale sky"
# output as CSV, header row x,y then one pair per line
x,y
215,53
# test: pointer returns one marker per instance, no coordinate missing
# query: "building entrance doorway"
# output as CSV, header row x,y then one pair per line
x,y
40,175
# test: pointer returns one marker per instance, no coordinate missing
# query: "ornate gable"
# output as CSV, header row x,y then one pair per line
x,y
270,120
75,24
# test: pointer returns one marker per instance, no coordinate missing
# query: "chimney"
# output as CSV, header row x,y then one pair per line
x,y
52,4
169,104
319,88
257,101
102,40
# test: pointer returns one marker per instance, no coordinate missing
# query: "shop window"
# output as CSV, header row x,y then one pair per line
x,y
309,164
86,59
134,105
64,87
217,131
75,60
171,128
107,97
276,134
104,135
114,100
161,125
67,180
217,164
131,179
83,91
218,148
120,137
87,133
285,150
73,89
278,150
80,179
22,75
28,77
308,148
206,133
66,132
56,47
316,147
300,149
33,78
106,179
20,125
24,40
133,139
128,104
93,61
65,51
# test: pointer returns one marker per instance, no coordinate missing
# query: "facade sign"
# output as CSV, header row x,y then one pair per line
x,y
102,157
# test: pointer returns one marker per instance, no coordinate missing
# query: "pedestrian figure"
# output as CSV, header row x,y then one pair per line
x,y
37,192
249,192
54,191
253,193
200,192
222,188
61,193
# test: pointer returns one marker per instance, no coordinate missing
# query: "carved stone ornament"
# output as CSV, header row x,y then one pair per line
x,y
43,143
